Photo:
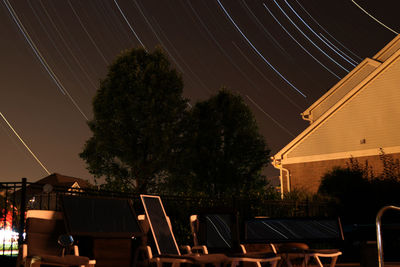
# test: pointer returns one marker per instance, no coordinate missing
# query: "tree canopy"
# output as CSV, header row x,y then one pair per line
x,y
137,110
146,139
224,153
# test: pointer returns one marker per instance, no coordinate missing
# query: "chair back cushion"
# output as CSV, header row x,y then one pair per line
x,y
42,236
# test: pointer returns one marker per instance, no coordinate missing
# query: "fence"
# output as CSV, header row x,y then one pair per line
x,y
18,197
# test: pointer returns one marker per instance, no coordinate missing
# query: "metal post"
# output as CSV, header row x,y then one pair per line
x,y
379,233
22,212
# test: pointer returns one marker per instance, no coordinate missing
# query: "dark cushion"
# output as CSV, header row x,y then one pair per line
x,y
42,236
43,244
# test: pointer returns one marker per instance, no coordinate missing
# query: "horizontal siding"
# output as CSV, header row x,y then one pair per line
x,y
342,90
373,114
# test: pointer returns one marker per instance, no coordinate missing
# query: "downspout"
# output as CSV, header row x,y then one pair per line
x,y
278,164
281,181
287,178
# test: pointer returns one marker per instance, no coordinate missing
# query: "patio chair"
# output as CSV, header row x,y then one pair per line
x,y
290,237
167,247
291,252
167,250
41,247
106,228
218,232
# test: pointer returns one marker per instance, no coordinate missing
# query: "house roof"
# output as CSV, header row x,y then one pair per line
x,y
339,90
57,179
389,53
354,77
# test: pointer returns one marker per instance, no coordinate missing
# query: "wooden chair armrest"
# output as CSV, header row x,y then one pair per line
x,y
76,250
200,249
185,249
24,252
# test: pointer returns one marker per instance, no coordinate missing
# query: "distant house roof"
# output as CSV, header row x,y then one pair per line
x,y
57,179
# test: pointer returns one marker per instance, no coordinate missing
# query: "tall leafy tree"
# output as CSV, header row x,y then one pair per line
x,y
223,153
138,111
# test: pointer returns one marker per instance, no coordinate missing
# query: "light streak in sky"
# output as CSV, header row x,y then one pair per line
x,y
332,48
344,54
33,45
165,47
269,116
130,26
381,23
299,44
87,33
26,146
42,60
55,45
256,50
235,65
66,45
178,54
275,41
277,44
265,78
218,44
308,38
308,13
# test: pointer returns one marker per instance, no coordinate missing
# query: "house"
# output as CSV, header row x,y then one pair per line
x,y
355,118
45,193
58,180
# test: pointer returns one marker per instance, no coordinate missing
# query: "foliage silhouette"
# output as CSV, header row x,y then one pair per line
x,y
138,112
361,192
223,152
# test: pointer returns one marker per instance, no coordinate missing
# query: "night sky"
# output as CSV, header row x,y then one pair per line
x,y
280,55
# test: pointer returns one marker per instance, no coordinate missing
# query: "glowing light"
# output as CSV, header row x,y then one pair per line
x,y
8,242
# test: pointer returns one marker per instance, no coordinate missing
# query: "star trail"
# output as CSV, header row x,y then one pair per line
x,y
280,55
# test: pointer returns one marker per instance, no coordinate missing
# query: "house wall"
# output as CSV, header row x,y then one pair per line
x,y
369,119
307,176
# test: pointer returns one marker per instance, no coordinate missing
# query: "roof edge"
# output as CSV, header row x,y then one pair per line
x,y
278,157
380,56
305,115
